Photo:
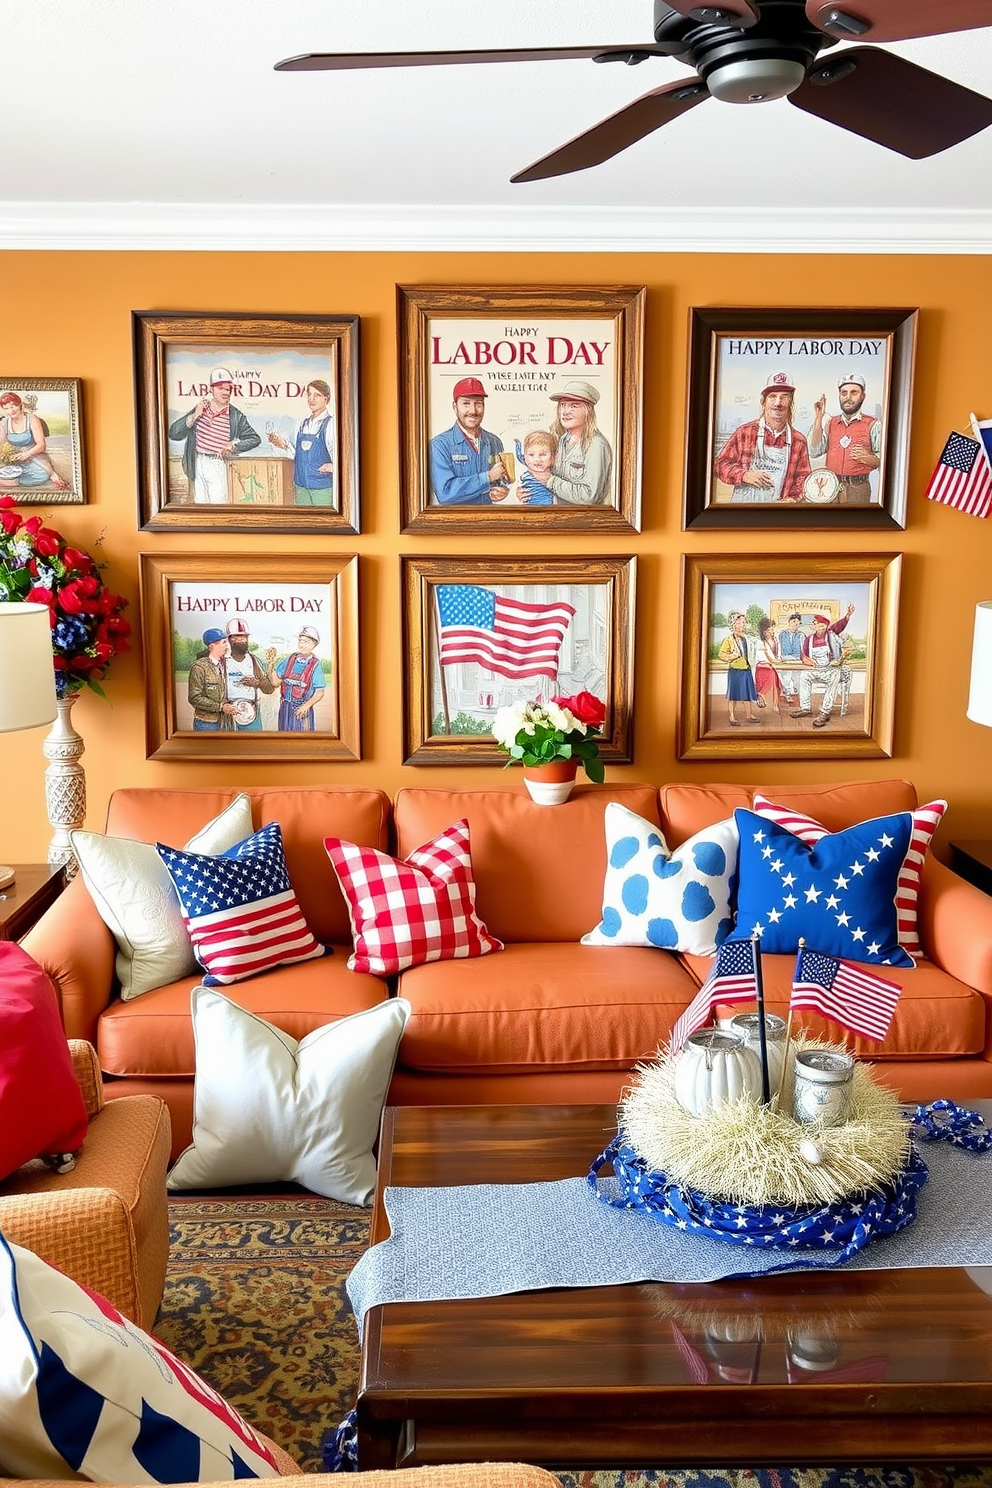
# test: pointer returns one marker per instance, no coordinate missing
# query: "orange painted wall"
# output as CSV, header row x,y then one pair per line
x,y
68,314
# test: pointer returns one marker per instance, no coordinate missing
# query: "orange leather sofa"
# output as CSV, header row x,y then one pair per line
x,y
547,1020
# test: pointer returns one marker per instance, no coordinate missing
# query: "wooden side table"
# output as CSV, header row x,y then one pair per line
x,y
973,861
23,902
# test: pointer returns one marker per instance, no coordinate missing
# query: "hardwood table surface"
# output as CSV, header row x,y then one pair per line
x,y
802,1367
23,902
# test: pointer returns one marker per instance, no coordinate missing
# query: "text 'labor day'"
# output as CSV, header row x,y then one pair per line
x,y
552,351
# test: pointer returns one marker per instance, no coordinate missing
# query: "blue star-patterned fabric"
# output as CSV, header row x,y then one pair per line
x,y
839,894
837,1231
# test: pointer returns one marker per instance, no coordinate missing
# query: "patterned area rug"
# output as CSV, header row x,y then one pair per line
x,y
255,1300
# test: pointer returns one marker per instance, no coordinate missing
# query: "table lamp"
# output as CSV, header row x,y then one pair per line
x,y
27,675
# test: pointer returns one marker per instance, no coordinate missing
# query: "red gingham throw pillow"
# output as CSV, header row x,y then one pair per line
x,y
926,820
408,911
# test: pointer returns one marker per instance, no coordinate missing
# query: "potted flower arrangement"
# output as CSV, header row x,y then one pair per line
x,y
38,566
551,740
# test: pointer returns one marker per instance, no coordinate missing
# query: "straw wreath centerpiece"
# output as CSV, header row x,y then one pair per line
x,y
749,1135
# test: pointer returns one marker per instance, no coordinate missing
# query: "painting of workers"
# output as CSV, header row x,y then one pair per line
x,y
799,419
521,414
787,657
251,425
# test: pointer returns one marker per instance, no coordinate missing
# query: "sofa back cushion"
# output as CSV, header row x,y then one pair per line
x,y
686,809
306,815
539,870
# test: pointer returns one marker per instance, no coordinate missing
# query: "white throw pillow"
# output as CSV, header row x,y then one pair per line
x,y
137,900
267,1109
85,1392
676,901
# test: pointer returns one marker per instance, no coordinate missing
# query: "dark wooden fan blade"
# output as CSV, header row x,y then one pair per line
x,y
348,61
737,12
897,20
610,136
893,102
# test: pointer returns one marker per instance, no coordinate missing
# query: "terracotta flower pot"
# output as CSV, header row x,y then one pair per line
x,y
551,784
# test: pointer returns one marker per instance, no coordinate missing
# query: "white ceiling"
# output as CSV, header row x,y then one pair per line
x,y
143,123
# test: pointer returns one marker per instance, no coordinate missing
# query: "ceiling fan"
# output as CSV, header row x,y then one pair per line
x,y
751,51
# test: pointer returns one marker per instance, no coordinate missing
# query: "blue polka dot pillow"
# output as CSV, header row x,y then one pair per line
x,y
676,901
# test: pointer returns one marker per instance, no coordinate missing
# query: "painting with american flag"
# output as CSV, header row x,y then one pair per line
x,y
484,633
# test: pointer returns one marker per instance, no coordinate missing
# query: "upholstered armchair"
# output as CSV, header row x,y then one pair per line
x,y
106,1222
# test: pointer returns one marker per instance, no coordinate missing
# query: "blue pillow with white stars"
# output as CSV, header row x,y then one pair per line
x,y
675,901
839,894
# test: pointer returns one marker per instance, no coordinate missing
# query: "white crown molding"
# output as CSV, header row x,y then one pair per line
x,y
176,227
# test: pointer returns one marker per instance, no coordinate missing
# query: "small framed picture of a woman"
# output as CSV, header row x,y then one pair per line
x,y
520,408
41,454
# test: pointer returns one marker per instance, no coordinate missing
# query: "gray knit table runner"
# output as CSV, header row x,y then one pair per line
x,y
485,1240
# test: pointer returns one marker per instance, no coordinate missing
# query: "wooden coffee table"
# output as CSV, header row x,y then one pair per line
x,y
883,1366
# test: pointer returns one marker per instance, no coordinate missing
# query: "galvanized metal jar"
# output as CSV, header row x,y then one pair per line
x,y
747,1027
823,1084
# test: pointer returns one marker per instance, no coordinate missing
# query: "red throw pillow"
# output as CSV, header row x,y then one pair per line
x,y
407,911
41,1105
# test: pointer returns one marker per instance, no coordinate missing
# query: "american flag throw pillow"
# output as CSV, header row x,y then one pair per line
x,y
405,911
926,820
240,909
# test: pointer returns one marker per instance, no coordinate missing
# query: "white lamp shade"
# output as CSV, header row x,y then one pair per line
x,y
980,694
27,673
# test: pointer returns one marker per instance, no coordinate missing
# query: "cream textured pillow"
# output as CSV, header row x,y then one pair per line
x,y
267,1109
131,887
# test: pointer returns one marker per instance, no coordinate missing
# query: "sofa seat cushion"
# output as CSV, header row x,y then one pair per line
x,y
937,1017
542,1006
539,871
153,1034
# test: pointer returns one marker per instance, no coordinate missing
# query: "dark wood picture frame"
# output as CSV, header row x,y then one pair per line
x,y
274,598
614,634
517,351
811,351
273,360
781,585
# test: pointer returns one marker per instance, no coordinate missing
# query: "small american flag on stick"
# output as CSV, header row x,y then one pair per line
x,y
851,995
963,477
733,977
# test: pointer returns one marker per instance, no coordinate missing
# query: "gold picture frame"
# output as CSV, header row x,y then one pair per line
x,y
764,678
43,415
582,607
280,447
206,699
523,356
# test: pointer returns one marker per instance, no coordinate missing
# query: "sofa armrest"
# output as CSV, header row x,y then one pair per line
x,y
89,1078
77,950
955,925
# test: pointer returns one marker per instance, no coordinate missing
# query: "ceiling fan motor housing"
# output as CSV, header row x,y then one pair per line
x,y
746,64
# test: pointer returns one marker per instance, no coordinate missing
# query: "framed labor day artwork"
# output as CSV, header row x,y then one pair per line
x,y
799,418
788,656
520,408
247,422
250,658
41,440
479,633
